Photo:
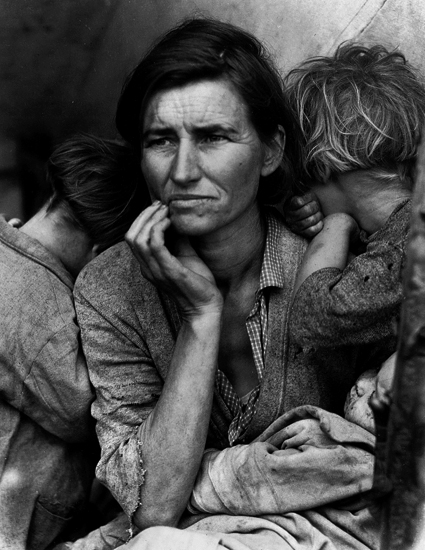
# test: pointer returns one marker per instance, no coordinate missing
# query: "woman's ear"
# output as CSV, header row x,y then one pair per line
x,y
274,152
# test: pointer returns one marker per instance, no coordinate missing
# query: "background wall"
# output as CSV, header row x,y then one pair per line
x,y
62,64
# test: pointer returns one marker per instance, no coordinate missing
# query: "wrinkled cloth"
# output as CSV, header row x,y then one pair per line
x,y
333,463
129,330
46,458
267,537
289,532
361,303
304,484
267,495
107,537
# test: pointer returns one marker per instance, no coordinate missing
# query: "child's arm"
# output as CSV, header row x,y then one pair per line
x,y
358,304
330,247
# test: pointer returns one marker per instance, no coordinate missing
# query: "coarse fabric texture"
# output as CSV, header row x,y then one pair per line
x,y
292,531
46,461
315,495
265,496
361,303
334,462
107,537
271,275
129,330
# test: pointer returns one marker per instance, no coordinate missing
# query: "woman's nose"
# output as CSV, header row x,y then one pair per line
x,y
185,167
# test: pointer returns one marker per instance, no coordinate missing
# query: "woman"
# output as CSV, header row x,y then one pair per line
x,y
186,333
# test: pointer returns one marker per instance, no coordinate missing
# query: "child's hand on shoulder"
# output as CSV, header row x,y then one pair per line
x,y
304,215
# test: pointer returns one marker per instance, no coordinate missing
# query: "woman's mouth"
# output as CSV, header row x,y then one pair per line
x,y
187,201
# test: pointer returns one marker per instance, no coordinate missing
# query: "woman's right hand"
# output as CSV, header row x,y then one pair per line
x,y
182,273
173,436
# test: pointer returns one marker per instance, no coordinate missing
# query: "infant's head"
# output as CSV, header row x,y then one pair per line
x,y
357,408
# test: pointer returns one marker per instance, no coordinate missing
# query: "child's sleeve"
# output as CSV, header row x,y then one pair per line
x,y
355,306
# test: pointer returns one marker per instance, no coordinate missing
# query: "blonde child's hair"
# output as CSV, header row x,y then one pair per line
x,y
362,108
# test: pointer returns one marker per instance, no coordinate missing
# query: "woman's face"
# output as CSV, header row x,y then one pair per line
x,y
202,157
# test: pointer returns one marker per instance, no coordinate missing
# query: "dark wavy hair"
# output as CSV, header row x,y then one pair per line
x,y
96,184
362,108
201,49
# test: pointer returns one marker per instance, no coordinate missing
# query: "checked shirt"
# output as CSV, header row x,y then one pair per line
x,y
243,409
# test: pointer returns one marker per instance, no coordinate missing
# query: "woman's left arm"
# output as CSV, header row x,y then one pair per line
x,y
300,466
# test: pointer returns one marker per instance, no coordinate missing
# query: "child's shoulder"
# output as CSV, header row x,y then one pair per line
x,y
396,228
400,216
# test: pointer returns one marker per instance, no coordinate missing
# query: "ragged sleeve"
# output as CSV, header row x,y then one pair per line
x,y
126,381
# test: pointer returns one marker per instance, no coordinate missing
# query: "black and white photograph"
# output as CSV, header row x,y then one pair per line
x,y
212,275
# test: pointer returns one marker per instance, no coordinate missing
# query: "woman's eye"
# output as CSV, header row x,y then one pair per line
x,y
214,138
157,142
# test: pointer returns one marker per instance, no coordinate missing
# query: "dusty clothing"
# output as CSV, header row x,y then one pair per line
x,y
46,466
266,477
274,493
307,497
292,531
107,537
129,330
361,303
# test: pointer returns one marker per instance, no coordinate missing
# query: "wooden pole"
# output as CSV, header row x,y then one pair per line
x,y
403,525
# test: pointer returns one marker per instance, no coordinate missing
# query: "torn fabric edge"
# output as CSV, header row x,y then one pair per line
x,y
141,481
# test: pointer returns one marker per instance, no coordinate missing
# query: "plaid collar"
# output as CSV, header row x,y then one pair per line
x,y
272,267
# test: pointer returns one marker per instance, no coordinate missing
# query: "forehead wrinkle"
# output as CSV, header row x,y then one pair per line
x,y
195,112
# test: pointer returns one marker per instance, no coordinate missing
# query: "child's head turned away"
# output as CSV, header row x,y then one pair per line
x,y
372,382
360,109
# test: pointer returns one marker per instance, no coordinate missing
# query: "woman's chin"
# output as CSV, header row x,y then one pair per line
x,y
191,226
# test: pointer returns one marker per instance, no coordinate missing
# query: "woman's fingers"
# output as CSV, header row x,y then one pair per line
x,y
297,434
139,234
139,237
180,271
144,222
166,264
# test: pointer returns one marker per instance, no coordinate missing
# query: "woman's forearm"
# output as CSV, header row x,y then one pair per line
x,y
173,437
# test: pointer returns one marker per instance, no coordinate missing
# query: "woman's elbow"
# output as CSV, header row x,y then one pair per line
x,y
156,515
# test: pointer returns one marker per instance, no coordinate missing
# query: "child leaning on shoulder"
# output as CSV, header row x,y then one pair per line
x,y
361,112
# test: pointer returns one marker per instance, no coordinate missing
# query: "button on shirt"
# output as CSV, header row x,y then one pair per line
x,y
243,409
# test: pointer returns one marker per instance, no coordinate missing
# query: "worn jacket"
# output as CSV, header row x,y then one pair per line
x,y
129,329
46,462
